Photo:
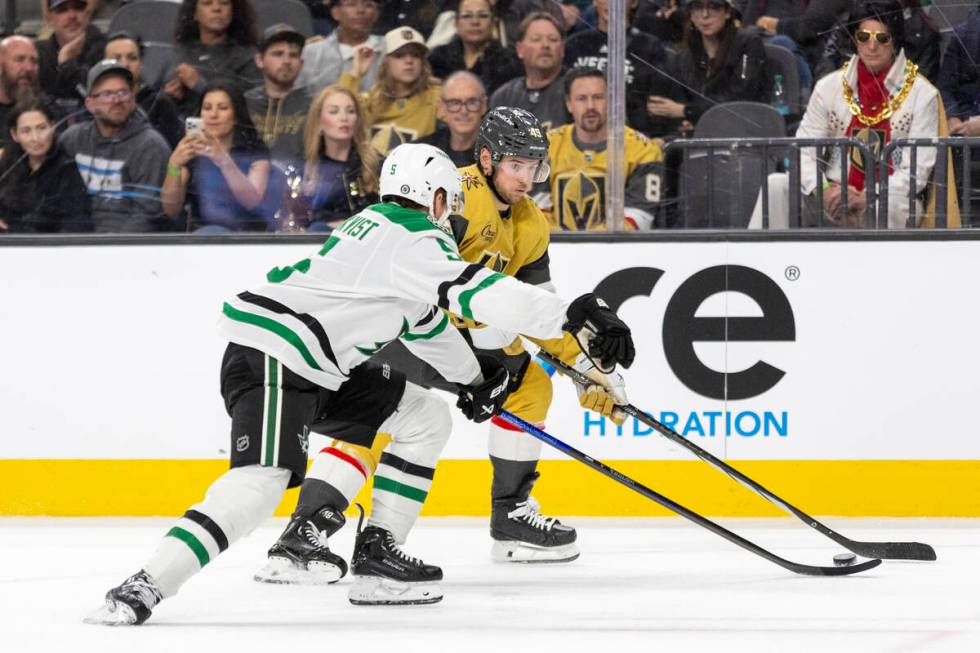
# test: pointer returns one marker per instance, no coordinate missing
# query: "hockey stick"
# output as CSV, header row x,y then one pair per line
x,y
885,550
704,522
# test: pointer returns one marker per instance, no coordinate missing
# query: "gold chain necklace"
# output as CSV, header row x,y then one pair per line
x,y
910,72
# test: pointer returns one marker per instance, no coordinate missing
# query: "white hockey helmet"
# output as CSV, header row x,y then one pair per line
x,y
416,171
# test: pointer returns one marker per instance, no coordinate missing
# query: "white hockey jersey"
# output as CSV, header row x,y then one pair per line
x,y
380,276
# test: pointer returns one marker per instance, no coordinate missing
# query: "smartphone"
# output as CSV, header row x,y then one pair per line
x,y
194,126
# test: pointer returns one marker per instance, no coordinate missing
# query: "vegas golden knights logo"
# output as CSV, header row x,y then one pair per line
x,y
581,201
386,137
875,139
471,181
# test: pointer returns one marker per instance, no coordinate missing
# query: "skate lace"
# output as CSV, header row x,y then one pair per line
x,y
528,511
393,547
144,590
315,536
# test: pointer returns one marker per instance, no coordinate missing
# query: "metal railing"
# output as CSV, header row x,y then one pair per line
x,y
770,155
939,177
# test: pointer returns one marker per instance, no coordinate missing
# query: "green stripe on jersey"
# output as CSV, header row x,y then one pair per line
x,y
436,330
407,491
408,219
192,543
280,330
466,296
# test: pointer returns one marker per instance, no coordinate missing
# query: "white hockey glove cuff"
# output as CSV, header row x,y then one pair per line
x,y
604,394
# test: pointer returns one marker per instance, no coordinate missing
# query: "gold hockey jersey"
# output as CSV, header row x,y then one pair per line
x,y
404,120
578,181
515,244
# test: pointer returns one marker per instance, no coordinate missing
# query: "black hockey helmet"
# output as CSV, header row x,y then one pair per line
x,y
509,131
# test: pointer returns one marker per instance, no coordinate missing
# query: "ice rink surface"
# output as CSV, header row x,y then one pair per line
x,y
649,584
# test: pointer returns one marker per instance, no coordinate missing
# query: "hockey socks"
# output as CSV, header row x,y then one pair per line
x,y
514,455
235,504
400,489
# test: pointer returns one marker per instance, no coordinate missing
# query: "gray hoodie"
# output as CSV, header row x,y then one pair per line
x,y
123,174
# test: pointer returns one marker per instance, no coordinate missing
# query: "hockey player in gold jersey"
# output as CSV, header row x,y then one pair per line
x,y
502,228
576,196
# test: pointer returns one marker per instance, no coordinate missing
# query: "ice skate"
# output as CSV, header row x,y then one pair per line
x,y
522,534
130,604
301,555
386,575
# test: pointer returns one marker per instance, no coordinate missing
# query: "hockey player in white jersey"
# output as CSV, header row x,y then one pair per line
x,y
295,353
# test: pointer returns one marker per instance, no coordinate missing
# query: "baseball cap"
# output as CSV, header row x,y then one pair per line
x,y
281,32
103,68
402,36
52,4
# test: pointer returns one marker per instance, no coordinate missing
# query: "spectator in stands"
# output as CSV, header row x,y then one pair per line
x,y
461,107
878,98
121,158
420,15
507,18
718,63
160,110
278,108
664,19
221,171
215,39
18,77
40,188
922,43
401,106
577,153
325,60
66,56
474,48
341,172
959,83
800,27
649,70
541,47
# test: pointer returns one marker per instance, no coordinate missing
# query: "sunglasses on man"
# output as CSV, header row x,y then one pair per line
x,y
865,35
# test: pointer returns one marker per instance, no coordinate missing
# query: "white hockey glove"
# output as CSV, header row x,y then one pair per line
x,y
604,394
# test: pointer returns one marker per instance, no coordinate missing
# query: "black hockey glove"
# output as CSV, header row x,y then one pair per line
x,y
609,341
482,401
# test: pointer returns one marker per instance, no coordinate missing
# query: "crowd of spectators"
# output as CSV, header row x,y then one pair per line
x,y
253,129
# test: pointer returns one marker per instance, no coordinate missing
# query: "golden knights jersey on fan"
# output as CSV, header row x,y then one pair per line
x,y
578,181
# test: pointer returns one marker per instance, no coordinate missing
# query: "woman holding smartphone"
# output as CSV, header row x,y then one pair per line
x,y
219,171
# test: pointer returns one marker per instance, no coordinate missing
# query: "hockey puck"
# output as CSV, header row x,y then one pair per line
x,y
844,559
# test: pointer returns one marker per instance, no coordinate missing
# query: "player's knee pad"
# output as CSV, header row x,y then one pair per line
x,y
420,427
243,497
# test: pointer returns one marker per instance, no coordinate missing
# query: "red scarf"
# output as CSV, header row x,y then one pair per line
x,y
873,97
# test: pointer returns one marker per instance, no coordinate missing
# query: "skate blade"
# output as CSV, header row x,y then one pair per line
x,y
112,613
513,551
281,571
374,590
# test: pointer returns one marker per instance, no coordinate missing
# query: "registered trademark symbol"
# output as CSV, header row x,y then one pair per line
x,y
792,273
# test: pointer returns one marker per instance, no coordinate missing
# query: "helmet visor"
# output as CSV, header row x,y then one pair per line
x,y
536,172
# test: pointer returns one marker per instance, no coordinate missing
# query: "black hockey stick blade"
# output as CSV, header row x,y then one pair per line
x,y
704,522
885,550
